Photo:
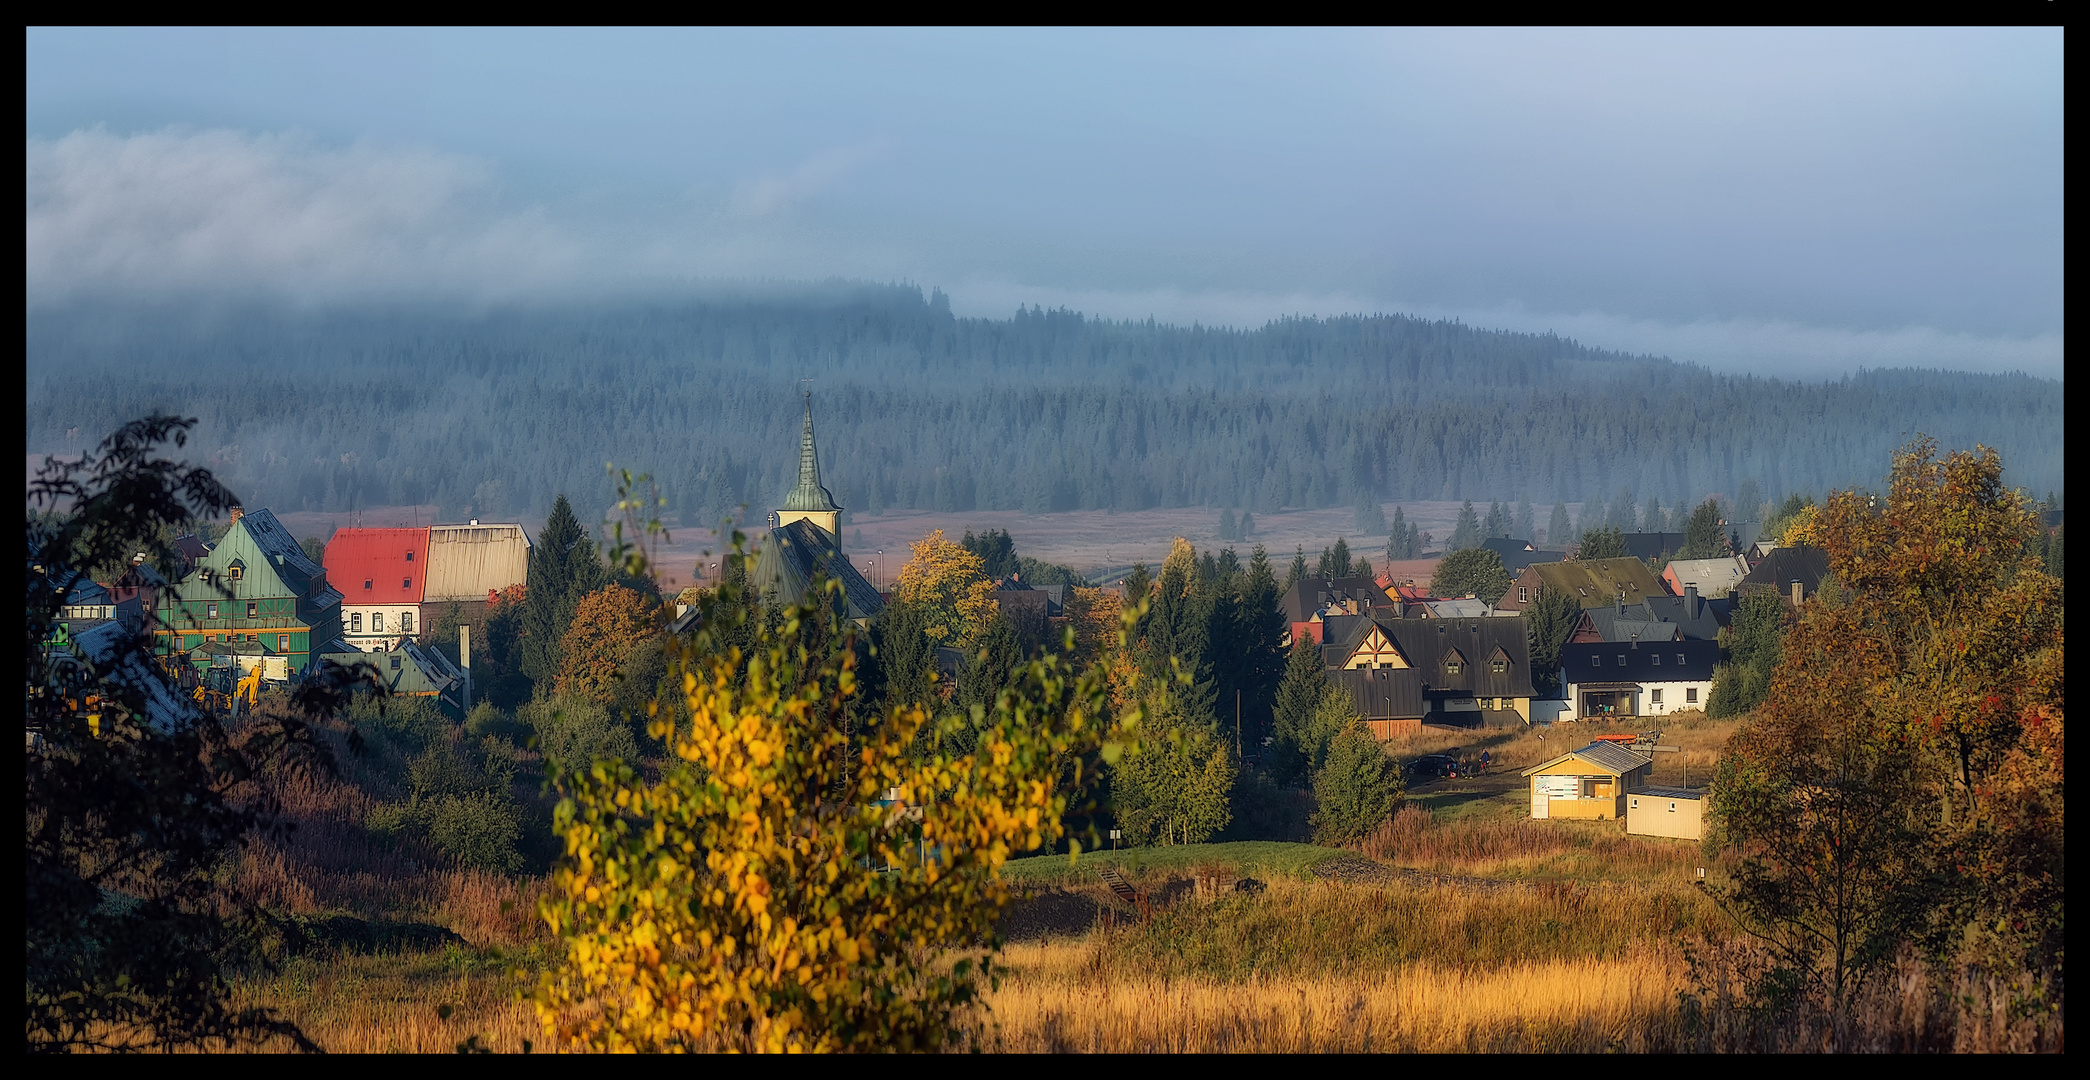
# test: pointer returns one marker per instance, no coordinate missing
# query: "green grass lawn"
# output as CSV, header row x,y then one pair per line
x,y
1267,858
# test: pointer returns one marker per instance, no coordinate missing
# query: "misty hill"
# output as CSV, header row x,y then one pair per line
x,y
495,411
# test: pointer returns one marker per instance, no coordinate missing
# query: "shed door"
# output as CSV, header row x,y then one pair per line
x,y
1539,798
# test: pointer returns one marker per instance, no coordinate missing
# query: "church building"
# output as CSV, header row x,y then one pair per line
x,y
803,541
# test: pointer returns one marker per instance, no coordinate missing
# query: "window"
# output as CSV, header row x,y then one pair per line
x,y
409,556
1680,661
1523,594
1595,660
1672,808
253,610
406,622
237,571
1621,659
1657,658
1498,666
1690,695
395,663
282,642
355,622
377,622
366,583
406,583
210,611
1451,667
1656,696
1636,804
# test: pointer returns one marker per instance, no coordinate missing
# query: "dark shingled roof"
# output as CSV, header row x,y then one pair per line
x,y
1785,565
791,556
1428,643
1386,693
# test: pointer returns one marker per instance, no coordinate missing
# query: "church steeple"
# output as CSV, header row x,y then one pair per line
x,y
809,500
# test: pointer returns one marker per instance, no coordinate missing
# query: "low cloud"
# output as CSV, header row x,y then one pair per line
x,y
220,210
770,194
1741,346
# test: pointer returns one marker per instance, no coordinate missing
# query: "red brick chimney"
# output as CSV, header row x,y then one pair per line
x,y
238,512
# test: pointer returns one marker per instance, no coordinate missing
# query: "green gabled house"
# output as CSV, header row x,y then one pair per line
x,y
255,586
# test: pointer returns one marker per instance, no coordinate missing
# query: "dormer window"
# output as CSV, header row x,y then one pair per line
x,y
409,556
1499,667
366,583
1452,667
406,583
236,571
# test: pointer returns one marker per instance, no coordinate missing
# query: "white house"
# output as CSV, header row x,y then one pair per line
x,y
1616,679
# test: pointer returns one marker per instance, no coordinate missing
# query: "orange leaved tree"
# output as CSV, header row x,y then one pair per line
x,y
950,586
608,625
1902,781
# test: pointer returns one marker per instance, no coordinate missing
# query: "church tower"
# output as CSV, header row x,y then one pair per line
x,y
809,500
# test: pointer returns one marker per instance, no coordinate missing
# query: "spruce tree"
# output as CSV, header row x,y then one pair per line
x,y
1527,526
1559,530
1704,538
1305,680
1247,527
1228,528
1297,573
1401,544
1498,521
1259,644
1339,559
1466,534
559,573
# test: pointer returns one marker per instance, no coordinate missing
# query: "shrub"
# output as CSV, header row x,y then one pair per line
x,y
572,733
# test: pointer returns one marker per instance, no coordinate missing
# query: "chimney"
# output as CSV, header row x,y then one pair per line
x,y
1798,593
475,521
238,512
138,559
464,660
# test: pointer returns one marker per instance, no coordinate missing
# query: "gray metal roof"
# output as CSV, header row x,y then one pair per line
x,y
275,541
809,495
1607,756
792,555
1669,793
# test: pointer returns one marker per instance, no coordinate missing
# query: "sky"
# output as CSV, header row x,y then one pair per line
x,y
1793,202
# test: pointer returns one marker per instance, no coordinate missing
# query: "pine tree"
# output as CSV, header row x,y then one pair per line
x,y
1466,534
1527,526
1371,518
1246,529
1402,542
1258,638
1228,528
1297,573
1559,531
1704,538
1339,559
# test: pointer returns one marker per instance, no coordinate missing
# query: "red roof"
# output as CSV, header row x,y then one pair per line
x,y
378,566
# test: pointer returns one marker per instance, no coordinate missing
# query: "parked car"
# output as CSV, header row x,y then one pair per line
x,y
1431,766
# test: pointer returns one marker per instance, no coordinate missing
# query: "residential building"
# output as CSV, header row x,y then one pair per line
x,y
1406,672
1313,599
801,546
1794,573
1592,582
382,575
1715,579
1610,680
256,586
469,563
1518,554
1592,782
1653,546
1695,619
414,670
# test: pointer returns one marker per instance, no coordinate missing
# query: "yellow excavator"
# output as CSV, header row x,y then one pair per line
x,y
248,688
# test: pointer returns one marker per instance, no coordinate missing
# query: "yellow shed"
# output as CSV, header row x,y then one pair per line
x,y
1666,811
1588,783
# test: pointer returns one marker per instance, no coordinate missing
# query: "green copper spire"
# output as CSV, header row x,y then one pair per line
x,y
809,496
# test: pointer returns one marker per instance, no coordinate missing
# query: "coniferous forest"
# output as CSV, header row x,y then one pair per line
x,y
495,411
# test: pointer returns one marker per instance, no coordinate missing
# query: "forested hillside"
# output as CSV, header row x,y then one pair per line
x,y
494,412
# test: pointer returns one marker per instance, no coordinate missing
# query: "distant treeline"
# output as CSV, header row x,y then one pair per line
x,y
496,411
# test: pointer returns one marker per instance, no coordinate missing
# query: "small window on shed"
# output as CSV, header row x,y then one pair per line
x,y
1672,808
1636,804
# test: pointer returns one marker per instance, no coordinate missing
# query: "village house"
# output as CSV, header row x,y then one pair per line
x,y
395,582
1311,600
1612,680
1592,582
1794,573
1590,783
1714,579
411,670
255,587
1403,673
1518,554
1693,618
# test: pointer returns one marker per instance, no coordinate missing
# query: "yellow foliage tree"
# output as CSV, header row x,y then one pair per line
x,y
762,894
1804,529
1181,556
950,584
607,625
